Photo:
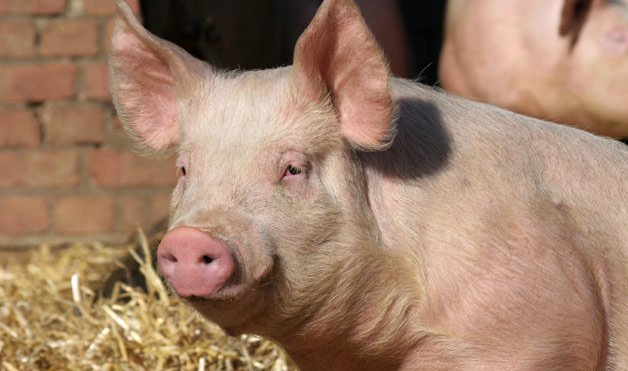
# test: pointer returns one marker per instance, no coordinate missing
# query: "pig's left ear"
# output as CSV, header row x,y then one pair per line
x,y
338,55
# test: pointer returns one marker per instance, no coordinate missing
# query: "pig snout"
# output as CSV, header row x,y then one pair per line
x,y
195,264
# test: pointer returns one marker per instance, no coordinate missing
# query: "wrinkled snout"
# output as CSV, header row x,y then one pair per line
x,y
194,263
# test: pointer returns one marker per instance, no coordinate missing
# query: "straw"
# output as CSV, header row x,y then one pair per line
x,y
53,318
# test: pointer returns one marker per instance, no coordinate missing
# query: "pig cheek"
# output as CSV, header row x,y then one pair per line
x,y
256,260
300,188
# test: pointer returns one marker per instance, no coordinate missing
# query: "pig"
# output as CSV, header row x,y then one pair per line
x,y
367,222
559,60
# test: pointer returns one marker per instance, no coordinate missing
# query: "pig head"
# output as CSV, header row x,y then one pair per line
x,y
559,60
260,226
366,222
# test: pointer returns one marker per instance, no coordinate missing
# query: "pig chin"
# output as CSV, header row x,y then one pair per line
x,y
235,317
233,306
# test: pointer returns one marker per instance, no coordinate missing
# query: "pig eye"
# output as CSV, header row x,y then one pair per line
x,y
182,165
294,170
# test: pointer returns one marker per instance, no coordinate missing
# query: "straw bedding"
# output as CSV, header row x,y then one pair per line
x,y
53,316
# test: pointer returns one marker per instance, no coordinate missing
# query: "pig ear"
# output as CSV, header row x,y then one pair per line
x,y
338,55
573,15
148,77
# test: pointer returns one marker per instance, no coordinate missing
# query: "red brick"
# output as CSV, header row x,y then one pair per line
x,y
70,37
38,169
73,124
37,7
99,7
107,7
116,125
107,35
160,207
116,137
18,128
37,82
122,168
95,81
131,213
21,215
84,214
18,38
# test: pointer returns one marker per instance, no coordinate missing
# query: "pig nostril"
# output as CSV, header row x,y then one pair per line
x,y
206,259
170,258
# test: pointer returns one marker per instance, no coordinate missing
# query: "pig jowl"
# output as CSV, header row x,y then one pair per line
x,y
368,222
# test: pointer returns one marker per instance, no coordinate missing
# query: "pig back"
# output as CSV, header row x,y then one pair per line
x,y
499,209
448,148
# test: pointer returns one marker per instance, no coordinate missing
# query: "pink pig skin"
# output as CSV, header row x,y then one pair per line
x,y
366,222
560,60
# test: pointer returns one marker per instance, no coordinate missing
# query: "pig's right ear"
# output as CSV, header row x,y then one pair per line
x,y
148,78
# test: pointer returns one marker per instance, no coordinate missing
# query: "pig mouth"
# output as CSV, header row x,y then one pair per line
x,y
235,309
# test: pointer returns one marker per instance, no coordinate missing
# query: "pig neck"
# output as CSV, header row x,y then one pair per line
x,y
368,317
366,323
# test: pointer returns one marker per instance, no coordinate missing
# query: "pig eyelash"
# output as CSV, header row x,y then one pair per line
x,y
182,165
294,170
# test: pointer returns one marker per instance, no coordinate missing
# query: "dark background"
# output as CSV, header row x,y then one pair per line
x,y
254,34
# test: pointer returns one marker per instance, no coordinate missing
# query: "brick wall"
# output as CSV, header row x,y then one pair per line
x,y
66,170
